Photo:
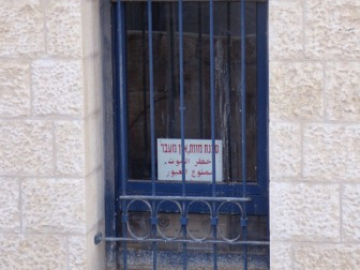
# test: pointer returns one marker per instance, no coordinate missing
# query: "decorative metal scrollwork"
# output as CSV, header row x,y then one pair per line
x,y
213,206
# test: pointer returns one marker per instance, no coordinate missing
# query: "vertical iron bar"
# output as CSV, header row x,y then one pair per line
x,y
171,76
152,126
168,87
212,100
182,131
228,92
143,40
200,51
112,140
121,39
243,123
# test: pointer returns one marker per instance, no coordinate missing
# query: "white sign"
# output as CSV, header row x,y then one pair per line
x,y
198,160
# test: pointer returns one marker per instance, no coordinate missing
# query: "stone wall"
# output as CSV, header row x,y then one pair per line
x,y
315,134
51,193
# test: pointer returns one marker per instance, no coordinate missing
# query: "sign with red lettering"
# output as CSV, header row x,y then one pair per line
x,y
198,160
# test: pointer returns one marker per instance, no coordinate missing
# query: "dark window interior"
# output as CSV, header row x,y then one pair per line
x,y
196,81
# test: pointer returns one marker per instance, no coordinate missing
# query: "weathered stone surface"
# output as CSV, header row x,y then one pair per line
x,y
84,254
351,208
325,155
343,91
14,88
296,90
9,204
22,29
54,205
91,28
280,255
286,29
326,256
92,84
70,148
285,151
63,26
26,148
352,139
304,212
19,252
331,152
95,253
332,29
95,199
57,88
77,253
93,141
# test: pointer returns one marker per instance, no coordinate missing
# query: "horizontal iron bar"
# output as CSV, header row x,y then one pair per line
x,y
99,238
114,1
185,198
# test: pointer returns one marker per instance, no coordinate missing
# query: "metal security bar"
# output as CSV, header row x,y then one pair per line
x,y
156,200
114,1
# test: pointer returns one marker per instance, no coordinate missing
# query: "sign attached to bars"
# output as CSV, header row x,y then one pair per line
x,y
198,160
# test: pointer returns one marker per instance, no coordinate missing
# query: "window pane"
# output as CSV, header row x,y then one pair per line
x,y
196,81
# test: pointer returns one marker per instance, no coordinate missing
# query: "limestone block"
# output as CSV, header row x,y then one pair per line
x,y
14,88
70,148
94,141
77,253
95,199
92,84
57,88
63,26
22,29
9,204
296,90
286,29
40,252
304,212
352,139
343,91
332,29
280,255
54,205
84,254
326,256
351,209
26,148
95,253
285,151
325,153
91,30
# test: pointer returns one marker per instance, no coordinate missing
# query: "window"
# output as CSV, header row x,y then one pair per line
x,y
179,82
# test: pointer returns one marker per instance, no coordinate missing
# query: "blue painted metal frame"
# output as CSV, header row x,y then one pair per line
x,y
122,117
263,103
258,191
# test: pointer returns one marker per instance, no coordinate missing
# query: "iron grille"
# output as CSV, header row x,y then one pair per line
x,y
155,200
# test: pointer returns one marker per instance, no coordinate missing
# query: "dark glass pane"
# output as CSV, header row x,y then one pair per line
x,y
196,81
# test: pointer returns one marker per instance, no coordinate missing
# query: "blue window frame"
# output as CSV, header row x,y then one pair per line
x,y
137,187
257,189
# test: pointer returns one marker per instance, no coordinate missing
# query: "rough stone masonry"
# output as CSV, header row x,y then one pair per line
x,y
51,165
